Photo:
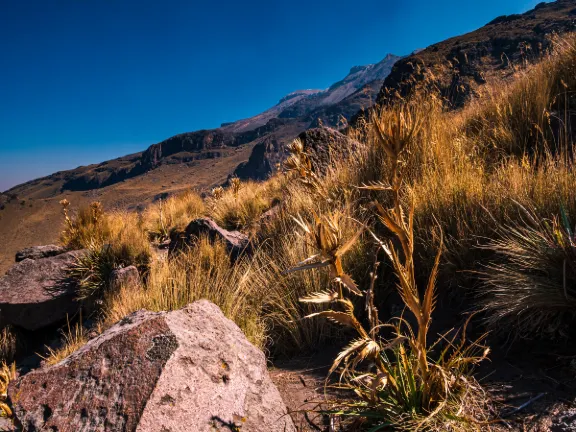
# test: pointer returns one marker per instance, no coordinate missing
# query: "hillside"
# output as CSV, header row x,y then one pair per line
x,y
413,271
200,160
461,65
284,121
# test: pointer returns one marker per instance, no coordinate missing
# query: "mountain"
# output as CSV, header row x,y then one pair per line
x,y
459,66
293,114
200,159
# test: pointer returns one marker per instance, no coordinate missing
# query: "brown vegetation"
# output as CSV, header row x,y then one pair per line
x,y
491,186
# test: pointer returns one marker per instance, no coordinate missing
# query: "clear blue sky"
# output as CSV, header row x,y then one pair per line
x,y
82,81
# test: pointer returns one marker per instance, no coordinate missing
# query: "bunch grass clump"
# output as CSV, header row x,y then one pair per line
x,y
87,228
201,272
241,205
529,287
112,241
9,344
173,213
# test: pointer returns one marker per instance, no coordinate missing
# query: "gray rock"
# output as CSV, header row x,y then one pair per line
x,y
7,425
37,293
235,241
37,252
186,370
127,277
324,145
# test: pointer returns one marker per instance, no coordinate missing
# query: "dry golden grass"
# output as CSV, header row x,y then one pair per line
x,y
394,378
465,172
73,338
173,213
241,205
203,272
7,374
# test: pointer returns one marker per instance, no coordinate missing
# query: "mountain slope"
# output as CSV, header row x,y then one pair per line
x,y
293,114
462,64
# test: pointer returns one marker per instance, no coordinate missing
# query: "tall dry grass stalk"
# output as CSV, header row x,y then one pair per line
x,y
397,382
74,337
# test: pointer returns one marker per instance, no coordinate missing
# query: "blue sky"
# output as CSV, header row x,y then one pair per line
x,y
82,81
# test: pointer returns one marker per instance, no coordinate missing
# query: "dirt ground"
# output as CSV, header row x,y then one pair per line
x,y
530,389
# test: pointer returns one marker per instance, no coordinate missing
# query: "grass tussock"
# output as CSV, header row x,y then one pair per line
x,y
173,213
203,272
112,240
9,344
241,205
528,288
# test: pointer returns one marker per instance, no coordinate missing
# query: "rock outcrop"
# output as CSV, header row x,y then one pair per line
x,y
186,370
324,145
37,252
259,165
236,242
459,66
127,277
37,293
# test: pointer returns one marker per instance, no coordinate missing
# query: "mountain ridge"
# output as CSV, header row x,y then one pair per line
x,y
292,115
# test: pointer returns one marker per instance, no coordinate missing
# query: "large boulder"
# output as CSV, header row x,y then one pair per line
x,y
37,252
186,370
260,163
235,241
325,145
37,293
127,277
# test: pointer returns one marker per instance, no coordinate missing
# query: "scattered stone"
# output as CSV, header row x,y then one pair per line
x,y
127,277
37,293
38,252
564,422
270,215
186,370
325,145
7,425
236,242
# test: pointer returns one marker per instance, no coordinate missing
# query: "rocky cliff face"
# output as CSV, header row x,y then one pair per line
x,y
461,64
